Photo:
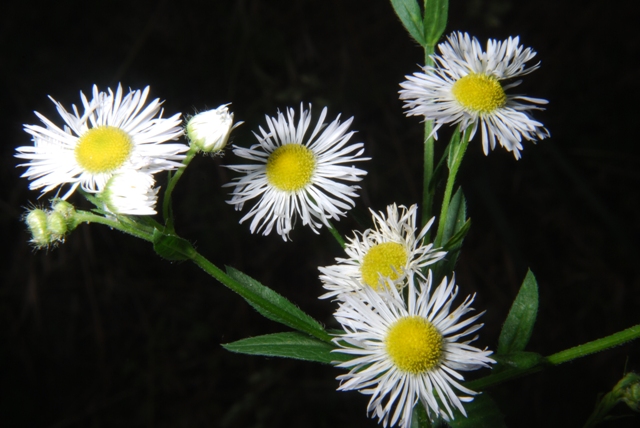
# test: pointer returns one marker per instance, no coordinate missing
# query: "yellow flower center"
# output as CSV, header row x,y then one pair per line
x,y
290,167
414,344
103,149
479,93
387,259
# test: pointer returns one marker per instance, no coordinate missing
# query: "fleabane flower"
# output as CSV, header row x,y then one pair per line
x,y
467,86
114,133
390,252
209,130
298,176
130,192
408,352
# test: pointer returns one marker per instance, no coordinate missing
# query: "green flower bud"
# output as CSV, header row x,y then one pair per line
x,y
37,222
57,225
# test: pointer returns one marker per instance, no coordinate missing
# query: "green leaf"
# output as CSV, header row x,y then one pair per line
x,y
435,19
455,229
456,216
482,412
453,148
287,345
172,247
411,17
276,307
518,326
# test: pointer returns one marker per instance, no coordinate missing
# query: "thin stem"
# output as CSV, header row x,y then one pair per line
x,y
131,229
336,234
427,192
454,165
596,346
570,354
166,203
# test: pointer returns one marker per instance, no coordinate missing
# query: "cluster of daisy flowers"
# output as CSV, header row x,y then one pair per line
x,y
112,148
407,343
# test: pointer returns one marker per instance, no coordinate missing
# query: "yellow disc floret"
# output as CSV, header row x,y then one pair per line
x,y
387,259
479,93
291,167
414,344
103,149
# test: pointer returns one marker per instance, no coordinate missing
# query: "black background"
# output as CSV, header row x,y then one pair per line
x,y
102,332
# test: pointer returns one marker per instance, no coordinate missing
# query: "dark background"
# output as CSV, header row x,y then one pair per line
x,y
102,332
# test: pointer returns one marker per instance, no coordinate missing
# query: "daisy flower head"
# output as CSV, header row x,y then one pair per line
x,y
409,351
467,86
390,252
294,175
114,133
130,192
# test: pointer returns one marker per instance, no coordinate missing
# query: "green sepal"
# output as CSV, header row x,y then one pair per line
x,y
482,412
435,19
172,247
294,345
411,17
518,326
276,307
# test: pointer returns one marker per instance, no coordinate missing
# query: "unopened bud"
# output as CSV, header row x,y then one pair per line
x,y
209,131
37,222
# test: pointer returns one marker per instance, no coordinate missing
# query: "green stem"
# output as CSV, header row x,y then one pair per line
x,y
427,187
166,203
134,229
454,165
570,354
596,346
336,234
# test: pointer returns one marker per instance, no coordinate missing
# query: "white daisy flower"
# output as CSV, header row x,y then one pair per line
x,y
113,134
389,252
467,85
298,176
408,351
130,192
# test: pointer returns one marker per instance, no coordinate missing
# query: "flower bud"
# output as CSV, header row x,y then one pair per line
x,y
57,225
37,222
209,131
130,192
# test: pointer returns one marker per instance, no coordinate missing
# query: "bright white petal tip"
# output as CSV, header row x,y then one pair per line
x,y
392,251
295,175
408,352
114,133
467,85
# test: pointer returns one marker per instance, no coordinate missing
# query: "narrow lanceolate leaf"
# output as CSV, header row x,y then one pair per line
x,y
435,19
172,247
518,327
411,17
455,229
276,307
482,412
294,345
456,216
